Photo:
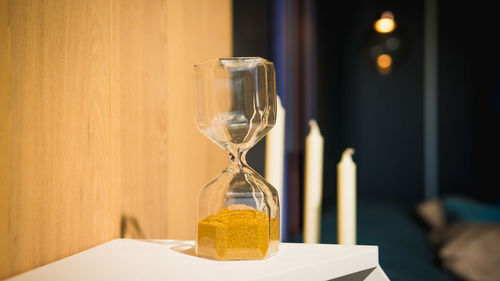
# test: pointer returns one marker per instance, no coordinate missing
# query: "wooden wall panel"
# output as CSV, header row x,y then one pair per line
x,y
60,193
139,114
97,122
5,139
196,160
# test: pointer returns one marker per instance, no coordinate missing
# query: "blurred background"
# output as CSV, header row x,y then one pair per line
x,y
329,67
98,139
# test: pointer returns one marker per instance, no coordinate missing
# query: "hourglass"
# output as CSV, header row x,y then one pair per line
x,y
238,211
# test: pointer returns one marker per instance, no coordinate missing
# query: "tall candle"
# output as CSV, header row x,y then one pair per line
x,y
313,184
346,188
275,157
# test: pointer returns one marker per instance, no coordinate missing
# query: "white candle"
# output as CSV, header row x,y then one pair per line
x,y
346,196
313,184
275,156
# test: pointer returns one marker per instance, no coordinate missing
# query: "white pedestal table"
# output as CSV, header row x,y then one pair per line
x,y
127,260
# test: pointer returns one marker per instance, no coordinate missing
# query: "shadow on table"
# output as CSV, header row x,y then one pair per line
x,y
163,242
178,246
186,249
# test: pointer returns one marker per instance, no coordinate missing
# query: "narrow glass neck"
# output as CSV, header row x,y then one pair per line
x,y
237,159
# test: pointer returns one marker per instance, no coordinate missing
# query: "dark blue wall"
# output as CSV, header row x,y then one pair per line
x,y
469,82
380,116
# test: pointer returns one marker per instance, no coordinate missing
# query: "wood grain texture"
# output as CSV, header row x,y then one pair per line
x,y
97,122
139,113
60,193
5,139
196,160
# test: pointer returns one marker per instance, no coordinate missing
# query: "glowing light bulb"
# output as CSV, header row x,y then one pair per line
x,y
384,61
386,23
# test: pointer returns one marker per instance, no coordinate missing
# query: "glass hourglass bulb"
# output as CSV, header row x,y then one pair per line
x,y
238,211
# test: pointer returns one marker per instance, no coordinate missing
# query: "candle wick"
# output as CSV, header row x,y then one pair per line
x,y
313,124
314,127
347,154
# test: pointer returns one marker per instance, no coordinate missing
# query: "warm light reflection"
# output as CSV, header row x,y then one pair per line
x,y
384,61
386,23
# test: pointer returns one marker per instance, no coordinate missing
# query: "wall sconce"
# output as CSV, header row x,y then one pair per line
x,y
385,44
386,23
384,63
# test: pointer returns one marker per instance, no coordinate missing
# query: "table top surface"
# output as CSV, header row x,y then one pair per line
x,y
127,259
